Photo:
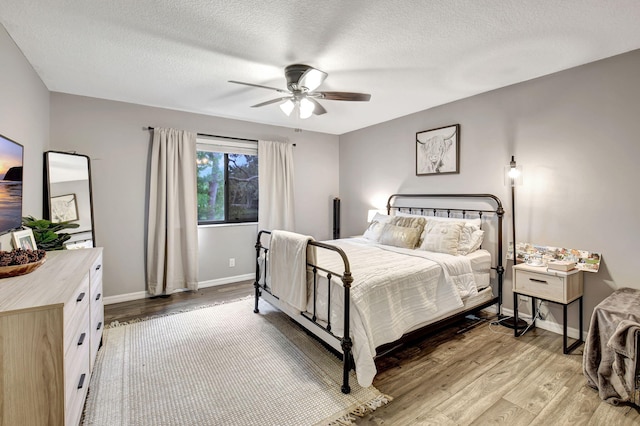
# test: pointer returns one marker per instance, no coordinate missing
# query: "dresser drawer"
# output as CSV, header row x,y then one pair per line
x,y
76,386
539,285
97,325
96,269
74,310
80,336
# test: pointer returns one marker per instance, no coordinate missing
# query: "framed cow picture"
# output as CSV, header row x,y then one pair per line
x,y
438,151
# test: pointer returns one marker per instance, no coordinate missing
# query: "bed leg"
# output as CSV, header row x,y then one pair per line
x,y
257,286
346,354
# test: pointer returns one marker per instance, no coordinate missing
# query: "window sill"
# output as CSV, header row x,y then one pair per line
x,y
224,225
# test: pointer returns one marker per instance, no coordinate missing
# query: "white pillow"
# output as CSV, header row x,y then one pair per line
x,y
442,236
470,239
374,231
476,222
382,218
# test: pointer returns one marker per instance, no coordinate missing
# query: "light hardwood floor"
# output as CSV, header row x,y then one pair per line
x,y
470,374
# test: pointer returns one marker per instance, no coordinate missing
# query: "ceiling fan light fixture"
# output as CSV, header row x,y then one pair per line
x,y
287,107
312,79
306,108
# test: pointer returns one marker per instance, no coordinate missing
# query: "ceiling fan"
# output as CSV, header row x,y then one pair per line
x,y
302,81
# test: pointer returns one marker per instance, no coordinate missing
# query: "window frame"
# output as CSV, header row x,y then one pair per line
x,y
226,147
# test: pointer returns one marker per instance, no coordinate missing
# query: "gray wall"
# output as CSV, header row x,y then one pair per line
x,y
24,117
112,135
576,133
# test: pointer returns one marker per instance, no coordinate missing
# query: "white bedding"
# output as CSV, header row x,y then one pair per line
x,y
393,290
481,267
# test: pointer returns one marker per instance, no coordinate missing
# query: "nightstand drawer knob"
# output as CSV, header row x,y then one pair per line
x,y
538,281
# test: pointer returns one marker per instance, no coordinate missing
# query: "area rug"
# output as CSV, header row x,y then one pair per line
x,y
220,365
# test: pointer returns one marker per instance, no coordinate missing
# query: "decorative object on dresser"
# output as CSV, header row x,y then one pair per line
x,y
50,331
412,258
437,151
24,240
20,262
538,282
47,234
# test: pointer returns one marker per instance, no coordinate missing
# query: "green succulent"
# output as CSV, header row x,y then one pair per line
x,y
46,233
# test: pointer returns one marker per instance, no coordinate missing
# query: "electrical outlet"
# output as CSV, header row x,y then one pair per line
x,y
232,262
524,298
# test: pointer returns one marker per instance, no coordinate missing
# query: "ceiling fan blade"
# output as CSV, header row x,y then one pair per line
x,y
318,109
259,85
272,101
344,96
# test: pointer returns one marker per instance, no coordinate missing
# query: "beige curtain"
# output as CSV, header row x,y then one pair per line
x,y
172,233
275,177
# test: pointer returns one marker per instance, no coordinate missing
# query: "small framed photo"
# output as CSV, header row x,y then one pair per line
x,y
24,239
437,151
64,208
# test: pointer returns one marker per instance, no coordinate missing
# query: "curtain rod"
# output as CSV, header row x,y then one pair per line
x,y
223,137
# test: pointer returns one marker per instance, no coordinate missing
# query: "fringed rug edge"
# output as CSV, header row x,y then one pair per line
x,y
116,323
350,415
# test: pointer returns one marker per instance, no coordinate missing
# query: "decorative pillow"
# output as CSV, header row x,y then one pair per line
x,y
374,231
476,223
442,236
470,239
382,218
400,236
416,222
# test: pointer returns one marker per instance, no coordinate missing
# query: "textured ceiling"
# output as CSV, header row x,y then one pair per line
x,y
409,55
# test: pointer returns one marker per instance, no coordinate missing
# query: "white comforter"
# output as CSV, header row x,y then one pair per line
x,y
393,290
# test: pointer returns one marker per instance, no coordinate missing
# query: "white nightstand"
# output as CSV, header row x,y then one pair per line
x,y
538,282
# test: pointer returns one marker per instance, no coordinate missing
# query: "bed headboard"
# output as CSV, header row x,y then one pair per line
x,y
487,207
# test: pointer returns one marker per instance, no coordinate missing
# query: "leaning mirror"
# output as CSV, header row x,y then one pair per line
x,y
67,195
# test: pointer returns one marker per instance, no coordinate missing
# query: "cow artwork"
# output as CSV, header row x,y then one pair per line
x,y
437,150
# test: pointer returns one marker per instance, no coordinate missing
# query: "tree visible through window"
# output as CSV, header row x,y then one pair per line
x,y
227,187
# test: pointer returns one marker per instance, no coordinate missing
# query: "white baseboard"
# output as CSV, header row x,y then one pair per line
x,y
109,300
552,326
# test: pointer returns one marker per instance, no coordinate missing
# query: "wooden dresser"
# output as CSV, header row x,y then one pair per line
x,y
51,324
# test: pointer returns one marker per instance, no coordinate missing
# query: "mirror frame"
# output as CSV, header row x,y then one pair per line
x,y
46,200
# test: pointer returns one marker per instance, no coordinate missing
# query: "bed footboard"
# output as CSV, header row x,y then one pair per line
x,y
261,284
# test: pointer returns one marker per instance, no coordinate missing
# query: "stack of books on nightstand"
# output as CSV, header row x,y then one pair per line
x,y
561,265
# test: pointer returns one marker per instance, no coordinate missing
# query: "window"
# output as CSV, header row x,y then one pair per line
x,y
227,181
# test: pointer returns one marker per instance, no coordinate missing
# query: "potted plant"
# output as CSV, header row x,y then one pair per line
x,y
46,233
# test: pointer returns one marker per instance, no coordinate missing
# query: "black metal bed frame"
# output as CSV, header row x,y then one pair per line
x,y
345,276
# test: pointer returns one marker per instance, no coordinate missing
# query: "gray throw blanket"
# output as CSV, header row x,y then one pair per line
x,y
610,353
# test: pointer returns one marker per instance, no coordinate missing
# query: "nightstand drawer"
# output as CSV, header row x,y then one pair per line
x,y
539,285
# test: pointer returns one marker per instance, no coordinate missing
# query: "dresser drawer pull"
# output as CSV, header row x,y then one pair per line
x,y
81,339
99,325
81,383
98,267
80,297
98,296
538,281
